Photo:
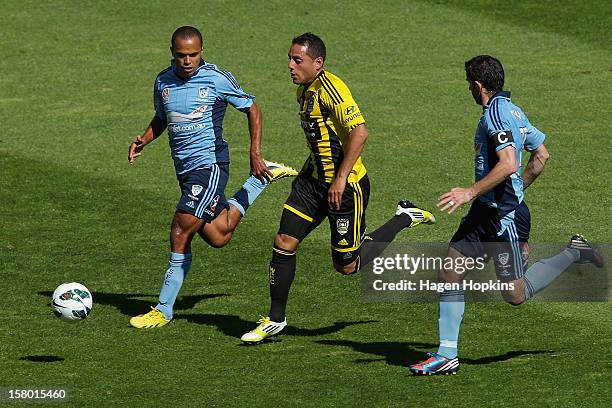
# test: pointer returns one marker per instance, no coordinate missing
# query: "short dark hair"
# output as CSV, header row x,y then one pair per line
x,y
486,69
315,47
186,32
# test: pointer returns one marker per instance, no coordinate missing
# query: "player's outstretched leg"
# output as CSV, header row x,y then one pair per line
x,y
416,214
279,171
543,272
587,254
253,187
407,215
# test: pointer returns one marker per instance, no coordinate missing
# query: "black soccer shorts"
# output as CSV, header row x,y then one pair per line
x,y
307,206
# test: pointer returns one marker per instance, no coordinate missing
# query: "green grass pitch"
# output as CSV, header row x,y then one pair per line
x,y
75,88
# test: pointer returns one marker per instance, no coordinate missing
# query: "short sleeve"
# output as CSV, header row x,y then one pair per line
x,y
533,137
337,98
230,92
158,104
499,131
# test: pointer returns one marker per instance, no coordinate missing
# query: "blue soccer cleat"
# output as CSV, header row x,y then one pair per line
x,y
436,365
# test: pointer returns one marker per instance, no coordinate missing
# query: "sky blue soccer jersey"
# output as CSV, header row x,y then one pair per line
x,y
503,124
194,109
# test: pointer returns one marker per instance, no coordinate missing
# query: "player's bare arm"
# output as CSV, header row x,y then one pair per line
x,y
354,148
255,118
155,128
506,166
535,165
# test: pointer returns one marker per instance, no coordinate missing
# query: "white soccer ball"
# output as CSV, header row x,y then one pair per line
x,y
71,301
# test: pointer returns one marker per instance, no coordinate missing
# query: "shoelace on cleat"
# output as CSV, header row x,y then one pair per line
x,y
263,320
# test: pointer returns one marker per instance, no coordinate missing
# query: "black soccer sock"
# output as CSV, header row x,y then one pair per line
x,y
377,241
281,274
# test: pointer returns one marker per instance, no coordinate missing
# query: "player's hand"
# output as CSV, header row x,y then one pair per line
x,y
135,149
334,194
259,168
454,199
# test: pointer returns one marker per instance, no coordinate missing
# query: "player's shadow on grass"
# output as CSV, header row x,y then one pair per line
x,y
128,305
234,326
42,359
402,354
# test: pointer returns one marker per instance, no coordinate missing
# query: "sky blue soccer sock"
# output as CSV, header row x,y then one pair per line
x,y
178,267
248,193
452,307
543,272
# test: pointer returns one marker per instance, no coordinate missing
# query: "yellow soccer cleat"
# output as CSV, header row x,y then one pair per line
x,y
265,329
150,320
417,215
279,171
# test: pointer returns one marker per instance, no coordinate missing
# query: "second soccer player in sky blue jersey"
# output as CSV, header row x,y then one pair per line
x,y
498,223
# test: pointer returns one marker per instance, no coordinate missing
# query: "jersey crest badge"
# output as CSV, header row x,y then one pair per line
x,y
165,94
503,258
203,93
342,225
196,189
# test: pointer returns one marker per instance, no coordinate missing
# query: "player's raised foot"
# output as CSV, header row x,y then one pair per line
x,y
279,171
435,365
265,329
416,214
150,320
587,253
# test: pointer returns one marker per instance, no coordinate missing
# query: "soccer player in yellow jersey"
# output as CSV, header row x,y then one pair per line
x,y
332,184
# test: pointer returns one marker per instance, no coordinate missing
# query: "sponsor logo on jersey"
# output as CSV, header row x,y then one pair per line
x,y
342,225
178,117
343,242
203,93
165,94
196,189
350,110
191,204
349,119
310,102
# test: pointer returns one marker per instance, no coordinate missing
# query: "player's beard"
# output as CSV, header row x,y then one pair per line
x,y
477,97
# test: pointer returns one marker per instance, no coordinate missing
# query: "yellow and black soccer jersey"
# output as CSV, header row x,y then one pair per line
x,y
329,113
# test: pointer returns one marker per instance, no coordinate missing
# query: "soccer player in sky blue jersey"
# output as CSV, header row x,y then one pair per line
x,y
190,99
498,222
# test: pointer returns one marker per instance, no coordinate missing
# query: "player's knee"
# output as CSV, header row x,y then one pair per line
x,y
448,275
347,263
286,242
514,298
219,241
346,269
